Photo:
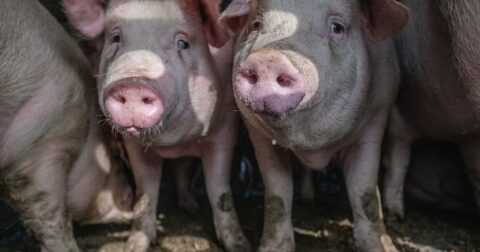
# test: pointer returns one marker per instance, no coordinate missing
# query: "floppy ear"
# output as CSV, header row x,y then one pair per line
x,y
215,32
383,18
236,14
87,16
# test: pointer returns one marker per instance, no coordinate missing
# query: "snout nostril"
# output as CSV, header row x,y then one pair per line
x,y
250,75
148,100
284,80
121,99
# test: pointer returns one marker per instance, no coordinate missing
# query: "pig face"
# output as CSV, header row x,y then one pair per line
x,y
156,78
303,67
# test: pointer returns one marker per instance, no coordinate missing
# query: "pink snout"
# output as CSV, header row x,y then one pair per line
x,y
267,82
134,105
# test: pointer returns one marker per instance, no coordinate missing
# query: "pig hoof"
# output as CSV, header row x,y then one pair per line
x,y
235,241
239,246
188,203
394,203
387,244
137,242
287,244
372,237
394,211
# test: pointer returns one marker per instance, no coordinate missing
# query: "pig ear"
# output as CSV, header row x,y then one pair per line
x,y
215,32
383,18
236,14
87,16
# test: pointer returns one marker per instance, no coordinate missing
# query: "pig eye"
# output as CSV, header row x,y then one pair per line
x,y
256,25
336,28
182,44
115,35
116,38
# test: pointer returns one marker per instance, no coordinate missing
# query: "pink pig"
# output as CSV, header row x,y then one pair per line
x,y
168,92
316,79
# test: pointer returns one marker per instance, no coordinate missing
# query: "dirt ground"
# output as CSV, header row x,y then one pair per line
x,y
324,226
317,228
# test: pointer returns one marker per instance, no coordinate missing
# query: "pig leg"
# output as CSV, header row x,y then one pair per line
x,y
471,154
186,200
308,188
361,165
37,189
147,174
277,178
397,159
217,161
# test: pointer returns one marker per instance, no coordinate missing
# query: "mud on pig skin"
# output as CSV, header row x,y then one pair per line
x,y
315,85
44,118
164,84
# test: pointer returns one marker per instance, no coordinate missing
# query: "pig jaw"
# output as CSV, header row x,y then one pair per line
x,y
303,131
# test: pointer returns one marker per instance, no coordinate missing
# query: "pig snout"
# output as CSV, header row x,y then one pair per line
x,y
133,105
267,82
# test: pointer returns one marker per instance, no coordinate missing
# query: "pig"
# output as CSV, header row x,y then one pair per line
x,y
164,84
439,96
44,118
316,80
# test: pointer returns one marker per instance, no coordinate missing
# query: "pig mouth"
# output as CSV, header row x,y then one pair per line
x,y
264,111
271,116
142,133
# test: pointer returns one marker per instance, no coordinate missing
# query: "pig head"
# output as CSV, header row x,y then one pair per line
x,y
291,65
154,78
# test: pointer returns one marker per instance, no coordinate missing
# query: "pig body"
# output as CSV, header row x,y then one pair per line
x,y
439,95
167,92
44,118
317,86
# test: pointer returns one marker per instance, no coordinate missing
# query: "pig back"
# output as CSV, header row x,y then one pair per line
x,y
463,18
433,96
